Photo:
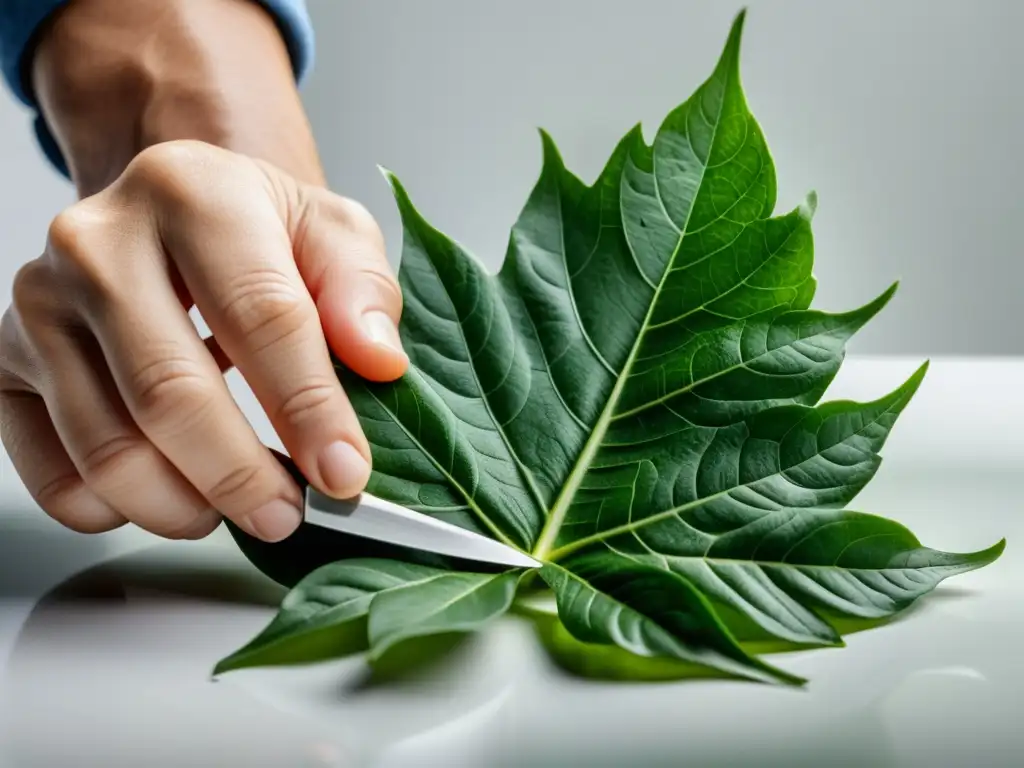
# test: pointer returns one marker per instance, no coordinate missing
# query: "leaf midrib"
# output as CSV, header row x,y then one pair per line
x,y
629,527
557,514
743,364
326,618
474,587
798,566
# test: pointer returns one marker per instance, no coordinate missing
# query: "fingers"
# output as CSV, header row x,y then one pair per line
x,y
255,301
220,357
128,417
110,453
26,430
175,392
45,468
342,259
169,382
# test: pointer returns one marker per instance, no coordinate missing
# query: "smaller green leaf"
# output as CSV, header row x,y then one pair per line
x,y
758,641
445,602
649,612
598,661
325,615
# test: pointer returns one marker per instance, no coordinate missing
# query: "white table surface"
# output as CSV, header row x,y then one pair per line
x,y
106,644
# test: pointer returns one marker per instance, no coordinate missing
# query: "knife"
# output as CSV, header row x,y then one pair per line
x,y
374,518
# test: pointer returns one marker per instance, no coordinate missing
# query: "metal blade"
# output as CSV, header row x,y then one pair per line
x,y
380,520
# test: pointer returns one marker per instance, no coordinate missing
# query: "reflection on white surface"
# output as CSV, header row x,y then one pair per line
x,y
120,656
118,659
110,666
454,697
973,733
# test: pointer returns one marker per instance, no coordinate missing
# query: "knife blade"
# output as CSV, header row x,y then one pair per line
x,y
374,518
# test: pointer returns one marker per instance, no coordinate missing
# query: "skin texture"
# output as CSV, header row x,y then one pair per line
x,y
199,185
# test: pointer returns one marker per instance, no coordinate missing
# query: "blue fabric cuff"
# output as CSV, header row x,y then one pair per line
x,y
21,21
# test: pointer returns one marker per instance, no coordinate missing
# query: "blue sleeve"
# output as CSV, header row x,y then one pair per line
x,y
22,20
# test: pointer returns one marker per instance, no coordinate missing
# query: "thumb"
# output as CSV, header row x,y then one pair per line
x,y
340,253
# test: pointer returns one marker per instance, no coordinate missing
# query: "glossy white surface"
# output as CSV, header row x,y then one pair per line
x,y
106,644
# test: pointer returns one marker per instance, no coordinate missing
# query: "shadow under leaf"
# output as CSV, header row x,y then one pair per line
x,y
415,658
609,663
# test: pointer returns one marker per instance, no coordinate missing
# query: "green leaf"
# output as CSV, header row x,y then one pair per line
x,y
446,602
649,612
611,662
753,520
359,604
637,396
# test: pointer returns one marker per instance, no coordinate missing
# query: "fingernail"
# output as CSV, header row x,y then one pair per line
x,y
343,469
381,329
275,520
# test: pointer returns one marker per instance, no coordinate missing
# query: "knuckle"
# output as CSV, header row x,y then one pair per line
x,y
238,481
386,286
8,329
110,457
352,216
307,403
172,170
358,218
29,292
11,383
265,307
75,248
67,230
171,391
58,495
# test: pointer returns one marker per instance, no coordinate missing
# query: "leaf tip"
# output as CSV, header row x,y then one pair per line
x,y
736,30
636,147
911,385
405,205
787,678
920,372
396,186
809,205
386,173
990,555
898,398
636,133
876,305
730,57
377,651
550,149
889,292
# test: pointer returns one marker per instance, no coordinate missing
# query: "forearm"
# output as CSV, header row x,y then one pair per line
x,y
113,78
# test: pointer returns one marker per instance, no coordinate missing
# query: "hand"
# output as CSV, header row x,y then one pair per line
x,y
112,407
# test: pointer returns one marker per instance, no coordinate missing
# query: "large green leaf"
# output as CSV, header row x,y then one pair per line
x,y
636,396
752,516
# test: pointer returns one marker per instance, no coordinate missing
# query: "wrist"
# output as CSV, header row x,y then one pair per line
x,y
113,78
